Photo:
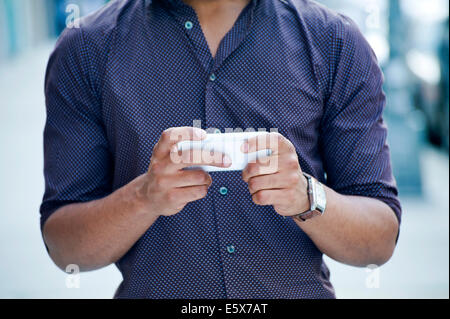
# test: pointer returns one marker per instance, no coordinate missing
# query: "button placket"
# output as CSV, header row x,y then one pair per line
x,y
187,18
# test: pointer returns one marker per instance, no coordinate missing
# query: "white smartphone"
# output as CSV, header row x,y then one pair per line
x,y
229,144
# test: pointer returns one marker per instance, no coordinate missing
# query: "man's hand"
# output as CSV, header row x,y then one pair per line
x,y
98,233
277,180
168,188
367,225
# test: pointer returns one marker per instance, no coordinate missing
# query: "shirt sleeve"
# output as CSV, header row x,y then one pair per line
x,y
77,163
353,143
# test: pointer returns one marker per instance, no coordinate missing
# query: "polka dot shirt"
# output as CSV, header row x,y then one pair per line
x,y
136,68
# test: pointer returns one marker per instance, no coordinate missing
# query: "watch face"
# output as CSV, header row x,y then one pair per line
x,y
321,199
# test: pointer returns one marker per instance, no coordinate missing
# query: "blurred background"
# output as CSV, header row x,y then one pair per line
x,y
410,38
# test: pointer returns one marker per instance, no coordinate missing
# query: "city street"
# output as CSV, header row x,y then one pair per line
x,y
419,268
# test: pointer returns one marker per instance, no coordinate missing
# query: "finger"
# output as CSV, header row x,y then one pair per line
x,y
197,157
183,179
186,195
273,181
275,142
172,136
271,165
191,178
270,197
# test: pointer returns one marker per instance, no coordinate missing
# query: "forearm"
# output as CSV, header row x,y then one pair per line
x,y
95,234
358,231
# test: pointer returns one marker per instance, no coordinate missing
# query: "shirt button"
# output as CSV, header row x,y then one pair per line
x,y
188,25
223,191
212,77
231,249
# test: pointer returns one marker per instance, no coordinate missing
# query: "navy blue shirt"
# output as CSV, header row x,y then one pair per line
x,y
136,68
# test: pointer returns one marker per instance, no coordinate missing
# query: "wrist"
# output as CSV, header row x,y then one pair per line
x,y
317,199
140,198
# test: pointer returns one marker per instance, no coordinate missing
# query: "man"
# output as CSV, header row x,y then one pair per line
x,y
138,73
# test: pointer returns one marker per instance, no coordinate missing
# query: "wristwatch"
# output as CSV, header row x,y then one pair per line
x,y
317,199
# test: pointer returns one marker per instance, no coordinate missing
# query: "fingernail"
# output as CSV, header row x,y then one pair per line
x,y
174,149
245,147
